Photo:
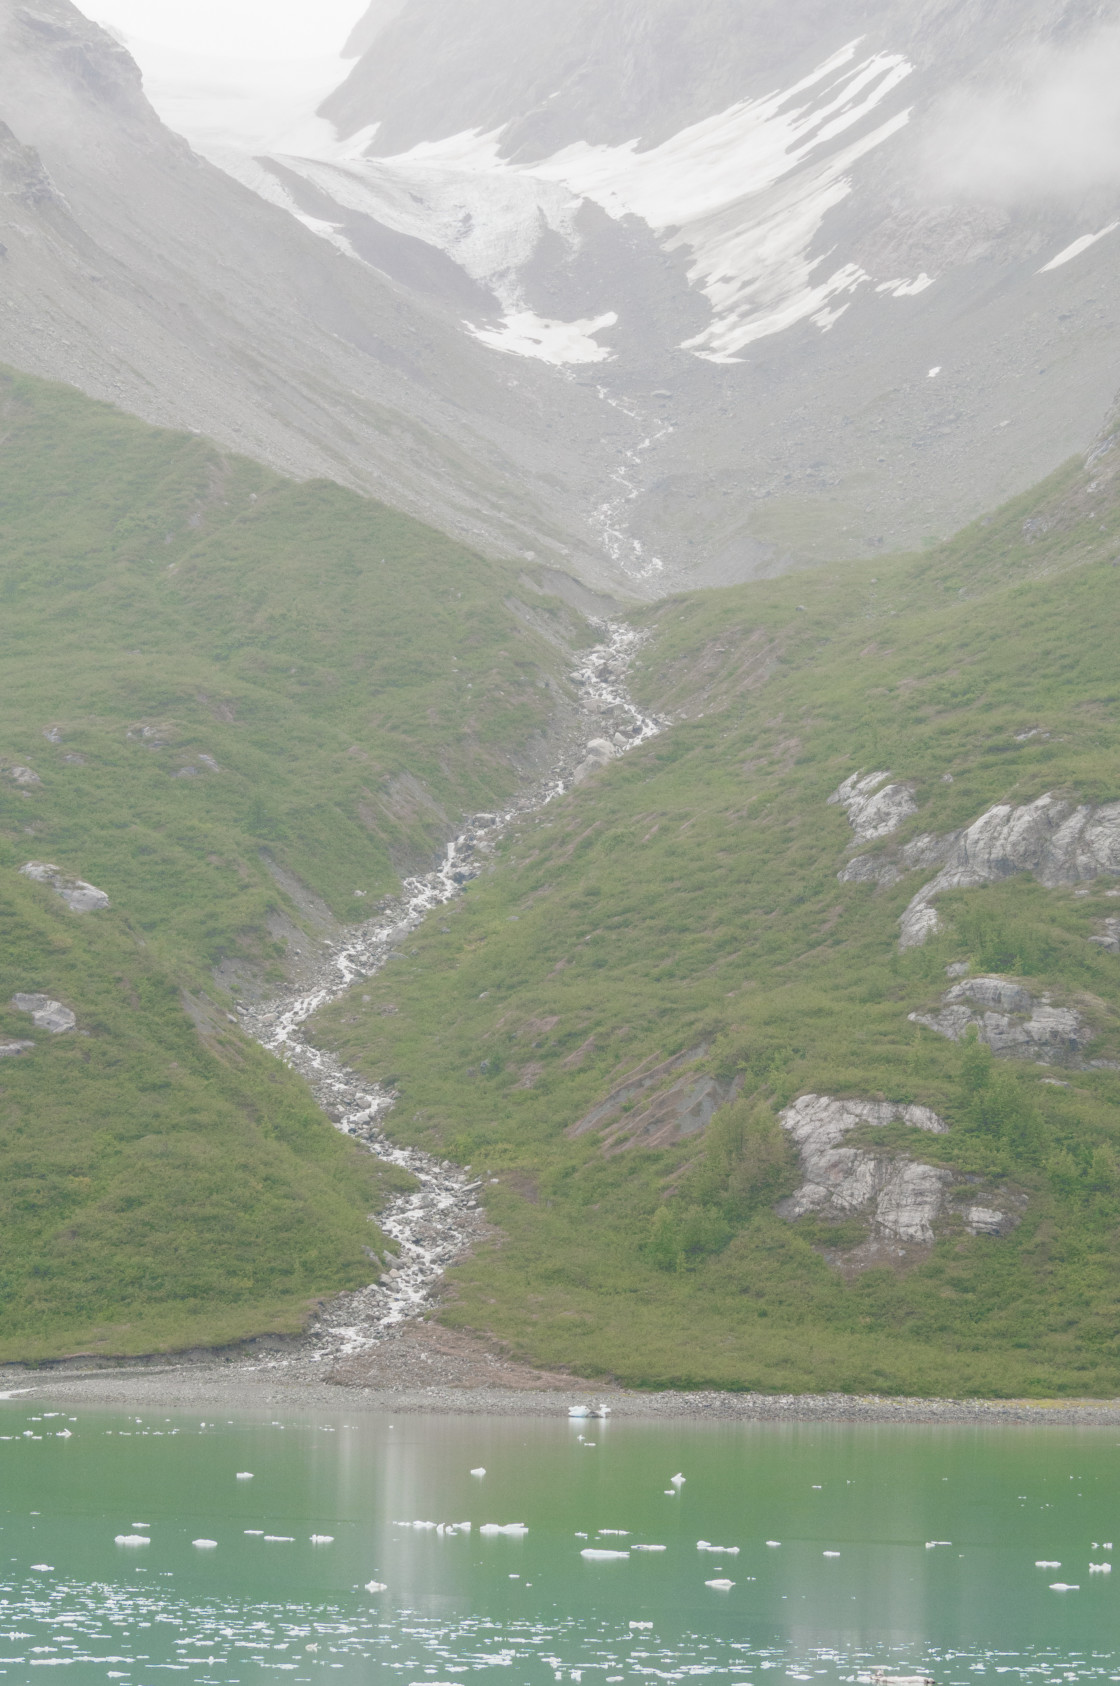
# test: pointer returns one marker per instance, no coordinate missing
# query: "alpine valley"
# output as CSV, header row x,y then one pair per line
x,y
560,747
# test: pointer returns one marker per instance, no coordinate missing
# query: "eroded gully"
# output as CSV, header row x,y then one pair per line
x,y
442,1219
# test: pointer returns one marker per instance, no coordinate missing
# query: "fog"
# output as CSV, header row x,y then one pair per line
x,y
1049,131
235,29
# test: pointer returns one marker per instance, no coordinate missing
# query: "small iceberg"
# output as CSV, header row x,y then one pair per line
x,y
205,1545
376,1586
244,1475
479,1471
322,1539
724,1551
514,1528
678,1480
647,1548
1100,1568
279,1539
131,1539
1045,1563
773,1542
1063,1586
596,1554
720,1585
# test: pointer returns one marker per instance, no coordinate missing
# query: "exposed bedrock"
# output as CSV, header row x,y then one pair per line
x,y
903,1199
1011,1021
1059,842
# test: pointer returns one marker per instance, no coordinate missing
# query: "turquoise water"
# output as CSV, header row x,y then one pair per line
x,y
528,1607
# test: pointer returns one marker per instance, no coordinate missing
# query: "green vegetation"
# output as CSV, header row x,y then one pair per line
x,y
686,901
223,682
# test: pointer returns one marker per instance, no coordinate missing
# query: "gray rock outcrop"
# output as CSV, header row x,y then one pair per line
x,y
1009,1019
45,1013
8,1050
1108,937
904,1197
1058,842
25,776
874,808
75,892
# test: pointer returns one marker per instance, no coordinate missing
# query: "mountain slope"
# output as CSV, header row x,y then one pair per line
x,y
849,269
626,1026
238,708
141,274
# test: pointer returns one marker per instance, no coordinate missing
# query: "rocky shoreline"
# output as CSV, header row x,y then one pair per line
x,y
422,1369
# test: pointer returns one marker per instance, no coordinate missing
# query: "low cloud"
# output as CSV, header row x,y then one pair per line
x,y
1048,130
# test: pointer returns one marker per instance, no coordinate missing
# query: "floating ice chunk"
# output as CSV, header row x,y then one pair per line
x,y
257,1532
936,370
598,1555
720,1585
279,1539
642,1625
244,1475
205,1545
621,1531
62,1434
514,1528
830,1554
670,1492
1100,1568
579,1411
724,1551
322,1539
931,1543
647,1548
678,1480
43,1568
1063,1586
479,1471
131,1539
773,1542
1044,1563
379,1586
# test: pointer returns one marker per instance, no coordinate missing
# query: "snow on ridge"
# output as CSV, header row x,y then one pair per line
x,y
743,192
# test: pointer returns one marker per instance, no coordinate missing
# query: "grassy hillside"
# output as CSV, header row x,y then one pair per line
x,y
217,679
687,899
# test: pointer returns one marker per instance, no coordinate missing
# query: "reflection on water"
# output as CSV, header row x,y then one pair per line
x,y
845,1550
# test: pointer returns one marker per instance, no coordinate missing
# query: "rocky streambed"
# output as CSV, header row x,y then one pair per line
x,y
443,1218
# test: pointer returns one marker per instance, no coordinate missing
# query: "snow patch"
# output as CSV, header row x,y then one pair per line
x,y
1076,247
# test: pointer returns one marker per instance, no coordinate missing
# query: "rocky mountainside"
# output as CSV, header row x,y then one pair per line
x,y
670,294
847,270
788,1047
135,270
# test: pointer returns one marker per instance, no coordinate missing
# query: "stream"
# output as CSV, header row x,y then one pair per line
x,y
442,1219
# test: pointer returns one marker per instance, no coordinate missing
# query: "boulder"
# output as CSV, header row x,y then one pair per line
x,y
8,1050
1009,1019
874,808
75,892
45,1013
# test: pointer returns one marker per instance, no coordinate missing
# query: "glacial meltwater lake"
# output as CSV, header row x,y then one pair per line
x,y
858,1548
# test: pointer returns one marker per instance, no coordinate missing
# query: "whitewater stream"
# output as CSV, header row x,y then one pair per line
x,y
442,1219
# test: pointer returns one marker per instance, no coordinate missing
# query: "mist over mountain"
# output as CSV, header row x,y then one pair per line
x,y
685,294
